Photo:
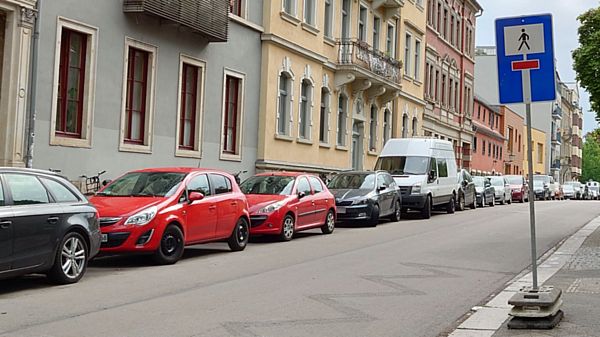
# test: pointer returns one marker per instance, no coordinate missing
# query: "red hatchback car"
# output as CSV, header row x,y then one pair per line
x,y
162,210
283,203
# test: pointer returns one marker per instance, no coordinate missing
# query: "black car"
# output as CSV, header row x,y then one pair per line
x,y
484,191
46,226
466,191
366,195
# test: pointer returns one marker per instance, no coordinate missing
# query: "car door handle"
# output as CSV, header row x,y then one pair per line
x,y
212,207
234,203
53,220
5,224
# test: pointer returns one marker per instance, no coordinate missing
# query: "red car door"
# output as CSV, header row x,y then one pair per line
x,y
306,206
227,205
320,200
201,215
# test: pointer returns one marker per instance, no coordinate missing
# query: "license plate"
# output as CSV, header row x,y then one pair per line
x,y
104,238
341,210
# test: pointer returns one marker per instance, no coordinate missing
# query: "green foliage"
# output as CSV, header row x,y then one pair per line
x,y
591,157
587,57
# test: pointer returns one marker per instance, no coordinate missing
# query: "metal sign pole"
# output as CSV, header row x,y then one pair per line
x,y
527,100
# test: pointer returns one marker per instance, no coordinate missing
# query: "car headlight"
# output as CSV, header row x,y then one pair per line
x,y
143,217
360,201
416,189
272,207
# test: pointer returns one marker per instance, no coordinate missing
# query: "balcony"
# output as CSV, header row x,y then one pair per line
x,y
556,138
555,165
391,7
557,112
368,70
206,17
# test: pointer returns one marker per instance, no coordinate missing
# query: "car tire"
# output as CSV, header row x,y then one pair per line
x,y
503,201
240,235
397,215
329,225
461,203
509,200
451,207
72,251
474,204
426,210
493,202
171,246
287,228
482,204
374,220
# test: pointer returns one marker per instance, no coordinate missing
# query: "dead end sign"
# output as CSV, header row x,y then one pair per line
x,y
525,59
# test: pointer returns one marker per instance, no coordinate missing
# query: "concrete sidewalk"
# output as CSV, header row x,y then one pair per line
x,y
575,268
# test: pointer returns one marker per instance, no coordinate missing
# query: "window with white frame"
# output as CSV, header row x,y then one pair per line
x,y
237,7
390,41
417,59
289,6
304,121
309,12
74,84
284,104
138,93
328,19
387,125
373,129
345,19
233,115
362,24
324,116
415,130
407,54
405,126
341,120
190,105
376,32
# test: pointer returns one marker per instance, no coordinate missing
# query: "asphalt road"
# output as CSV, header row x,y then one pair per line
x,y
412,278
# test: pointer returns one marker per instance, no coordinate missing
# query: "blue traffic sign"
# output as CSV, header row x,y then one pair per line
x,y
525,58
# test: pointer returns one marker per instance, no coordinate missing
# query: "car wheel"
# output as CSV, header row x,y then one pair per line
x,y
503,200
329,224
510,200
483,203
171,246
240,235
461,203
374,217
493,202
70,261
287,228
474,204
426,211
451,207
397,215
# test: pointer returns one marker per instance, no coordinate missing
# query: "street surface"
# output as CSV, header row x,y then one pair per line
x,y
408,279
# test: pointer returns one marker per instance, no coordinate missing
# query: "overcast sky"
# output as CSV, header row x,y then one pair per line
x,y
564,14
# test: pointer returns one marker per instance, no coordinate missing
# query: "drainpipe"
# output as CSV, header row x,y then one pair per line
x,y
33,88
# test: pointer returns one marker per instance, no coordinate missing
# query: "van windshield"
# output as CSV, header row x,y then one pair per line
x,y
403,165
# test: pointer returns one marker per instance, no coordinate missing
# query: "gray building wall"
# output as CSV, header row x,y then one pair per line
x,y
486,86
242,53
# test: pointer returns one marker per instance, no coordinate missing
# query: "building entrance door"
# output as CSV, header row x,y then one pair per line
x,y
357,145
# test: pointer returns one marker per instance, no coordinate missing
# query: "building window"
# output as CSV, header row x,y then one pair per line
x,y
417,58
390,43
235,7
437,85
73,90
450,94
474,144
456,96
324,116
445,27
284,113
407,54
345,19
137,96
452,30
415,130
328,26
483,147
540,153
443,89
233,100
341,120
405,126
489,149
376,34
438,16
305,110
373,129
71,82
362,24
309,12
190,103
289,6
387,125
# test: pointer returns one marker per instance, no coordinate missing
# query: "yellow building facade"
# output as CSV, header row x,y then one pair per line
x,y
538,145
331,83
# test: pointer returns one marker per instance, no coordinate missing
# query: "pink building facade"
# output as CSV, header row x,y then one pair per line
x,y
489,141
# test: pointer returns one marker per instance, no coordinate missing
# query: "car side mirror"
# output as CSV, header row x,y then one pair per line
x,y
487,184
301,195
194,196
382,187
106,182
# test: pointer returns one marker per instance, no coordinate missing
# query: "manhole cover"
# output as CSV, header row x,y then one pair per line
x,y
585,286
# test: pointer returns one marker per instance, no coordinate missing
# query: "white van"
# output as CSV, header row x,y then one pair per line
x,y
425,170
593,189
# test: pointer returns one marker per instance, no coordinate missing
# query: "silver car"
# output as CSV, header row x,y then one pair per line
x,y
502,189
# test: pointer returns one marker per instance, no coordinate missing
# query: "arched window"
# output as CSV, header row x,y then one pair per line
x,y
415,131
405,126
283,108
387,123
324,116
341,120
305,110
373,129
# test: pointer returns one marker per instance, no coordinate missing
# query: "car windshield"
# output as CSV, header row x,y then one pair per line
x,y
515,180
545,179
538,183
497,181
568,187
360,181
144,184
271,185
479,181
403,165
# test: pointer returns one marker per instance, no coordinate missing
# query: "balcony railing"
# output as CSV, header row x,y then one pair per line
x,y
207,17
557,112
556,164
359,53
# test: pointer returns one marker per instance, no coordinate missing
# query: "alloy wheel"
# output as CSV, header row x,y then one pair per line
x,y
288,227
73,257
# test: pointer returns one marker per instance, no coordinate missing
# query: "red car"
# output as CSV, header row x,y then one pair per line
x,y
161,210
519,188
283,203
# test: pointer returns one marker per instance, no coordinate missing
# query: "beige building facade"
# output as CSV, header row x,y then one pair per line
x,y
539,151
332,83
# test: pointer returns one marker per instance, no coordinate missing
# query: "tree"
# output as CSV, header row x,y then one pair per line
x,y
591,157
587,58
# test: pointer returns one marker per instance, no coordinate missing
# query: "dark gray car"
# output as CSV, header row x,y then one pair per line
x,y
366,195
46,226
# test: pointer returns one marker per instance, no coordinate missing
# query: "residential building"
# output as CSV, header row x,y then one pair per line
x,y
488,141
571,146
539,151
16,31
133,84
331,78
555,133
513,133
450,75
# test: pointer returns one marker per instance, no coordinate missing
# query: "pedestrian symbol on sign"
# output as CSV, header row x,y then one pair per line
x,y
523,38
